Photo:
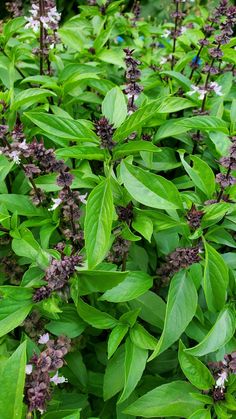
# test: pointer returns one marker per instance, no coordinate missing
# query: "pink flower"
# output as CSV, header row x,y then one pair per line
x,y
43,339
58,380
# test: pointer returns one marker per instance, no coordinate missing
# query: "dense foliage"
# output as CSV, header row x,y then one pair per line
x,y
117,213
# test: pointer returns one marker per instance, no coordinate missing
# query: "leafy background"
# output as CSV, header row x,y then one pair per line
x,y
117,217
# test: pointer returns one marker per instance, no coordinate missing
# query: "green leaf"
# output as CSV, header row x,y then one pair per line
x,y
12,381
112,56
134,147
149,189
29,97
174,104
143,225
98,223
16,303
99,281
114,374
183,81
214,213
68,324
114,107
201,414
152,308
12,26
141,338
23,205
81,153
181,307
27,246
67,129
216,278
134,285
201,175
5,167
135,362
14,318
103,37
115,338
218,336
141,116
172,399
137,120
195,371
32,276
181,125
63,414
95,317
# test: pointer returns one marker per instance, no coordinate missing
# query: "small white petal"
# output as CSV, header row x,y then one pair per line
x,y
57,202
183,29
28,369
44,338
166,33
23,145
58,380
220,383
14,155
163,60
83,198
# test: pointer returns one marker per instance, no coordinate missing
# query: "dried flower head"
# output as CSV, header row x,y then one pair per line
x,y
105,131
57,275
181,258
38,388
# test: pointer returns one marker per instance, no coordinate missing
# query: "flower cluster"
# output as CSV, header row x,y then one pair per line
x,y
221,371
34,324
119,249
194,217
39,378
57,275
136,10
46,15
181,258
125,213
203,90
223,18
229,163
11,270
132,75
105,131
14,8
38,160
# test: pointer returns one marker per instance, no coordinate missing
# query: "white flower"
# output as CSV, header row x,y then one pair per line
x,y
44,338
83,199
28,369
23,145
57,202
195,89
58,380
53,15
45,21
216,87
163,60
14,155
220,383
166,33
32,24
35,10
183,29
